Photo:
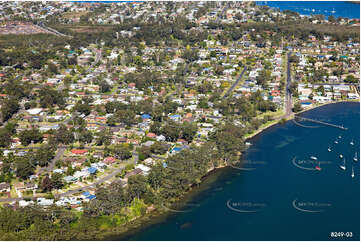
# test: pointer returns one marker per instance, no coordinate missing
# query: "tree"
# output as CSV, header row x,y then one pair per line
x,y
104,86
63,135
137,186
297,107
86,137
171,131
156,176
189,130
5,137
52,68
8,108
49,97
351,79
28,136
103,138
155,127
83,108
46,185
44,155
24,167
159,148
122,151
126,116
57,181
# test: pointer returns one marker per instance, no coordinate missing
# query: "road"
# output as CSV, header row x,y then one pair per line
x,y
230,90
97,59
80,189
53,31
93,185
50,167
288,95
158,157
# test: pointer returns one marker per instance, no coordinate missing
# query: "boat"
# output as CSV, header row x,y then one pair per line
x,y
336,142
352,173
343,166
352,143
339,137
333,10
355,157
329,149
318,167
313,158
341,156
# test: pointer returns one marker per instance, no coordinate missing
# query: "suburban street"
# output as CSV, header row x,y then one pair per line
x,y
288,95
230,90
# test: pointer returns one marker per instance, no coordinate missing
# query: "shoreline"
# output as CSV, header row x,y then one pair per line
x,y
291,117
158,215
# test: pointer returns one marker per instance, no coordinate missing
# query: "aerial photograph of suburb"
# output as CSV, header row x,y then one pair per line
x,y
180,120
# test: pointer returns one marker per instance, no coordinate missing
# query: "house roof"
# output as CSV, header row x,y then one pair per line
x,y
146,116
79,151
92,170
151,135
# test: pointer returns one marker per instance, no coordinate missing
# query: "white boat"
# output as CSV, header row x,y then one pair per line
x,y
352,173
339,137
333,11
341,156
343,166
313,158
352,143
329,149
355,157
336,142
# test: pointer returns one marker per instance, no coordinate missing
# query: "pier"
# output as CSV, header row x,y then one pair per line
x,y
321,122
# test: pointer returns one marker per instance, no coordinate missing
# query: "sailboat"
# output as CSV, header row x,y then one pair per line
x,y
318,167
329,149
313,158
343,166
355,157
352,143
352,173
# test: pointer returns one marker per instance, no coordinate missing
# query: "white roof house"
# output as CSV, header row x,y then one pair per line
x,y
145,169
34,111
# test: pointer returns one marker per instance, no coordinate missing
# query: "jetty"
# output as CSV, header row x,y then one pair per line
x,y
321,122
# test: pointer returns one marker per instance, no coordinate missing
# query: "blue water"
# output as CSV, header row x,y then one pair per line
x,y
276,184
341,8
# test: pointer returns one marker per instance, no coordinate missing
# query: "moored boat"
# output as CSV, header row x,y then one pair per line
x,y
343,166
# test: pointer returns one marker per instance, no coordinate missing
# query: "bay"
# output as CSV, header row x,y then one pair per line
x,y
327,8
277,199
